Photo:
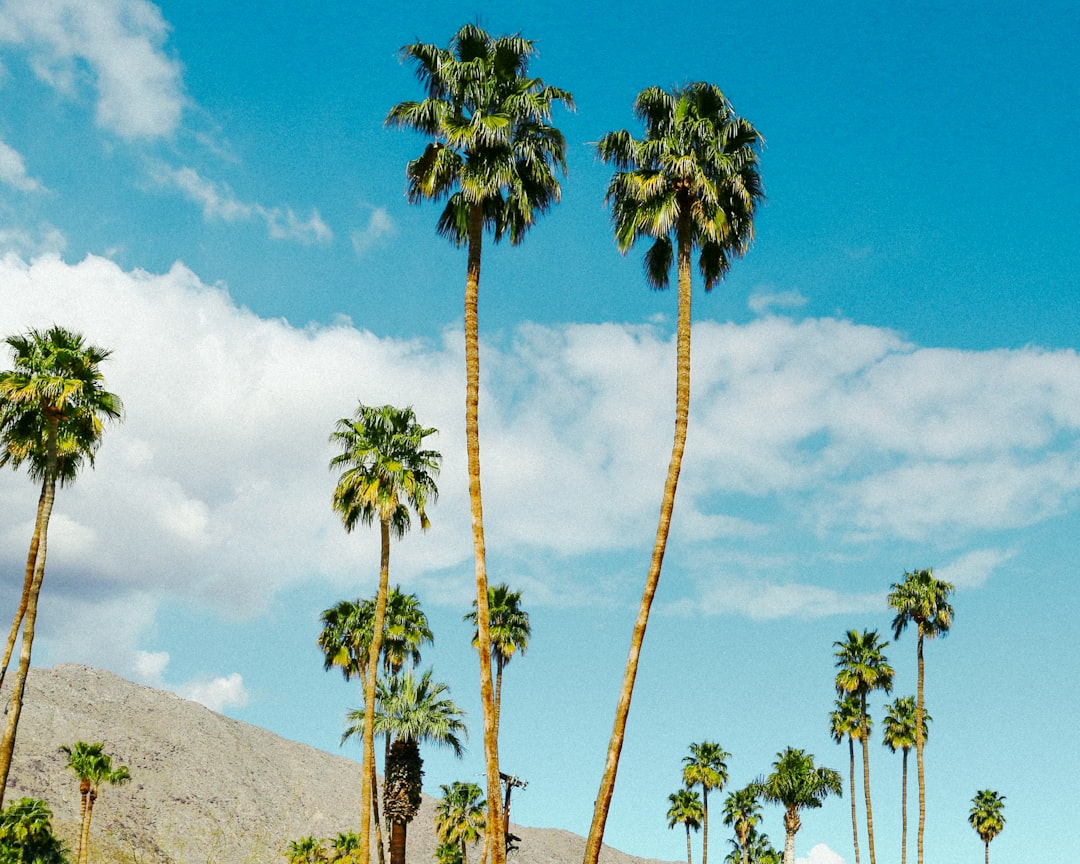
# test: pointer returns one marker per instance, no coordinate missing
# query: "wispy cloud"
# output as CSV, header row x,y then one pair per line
x,y
379,226
13,171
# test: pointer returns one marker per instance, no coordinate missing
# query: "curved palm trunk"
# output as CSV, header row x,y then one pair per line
x,y
919,714
496,838
28,580
368,764
40,539
682,413
84,836
854,807
866,784
903,813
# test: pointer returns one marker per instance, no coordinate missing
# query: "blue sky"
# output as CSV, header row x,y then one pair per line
x,y
887,381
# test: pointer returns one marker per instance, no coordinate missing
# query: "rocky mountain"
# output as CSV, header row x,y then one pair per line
x,y
205,789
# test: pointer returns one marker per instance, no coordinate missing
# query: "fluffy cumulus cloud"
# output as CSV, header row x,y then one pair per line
x,y
119,45
214,491
821,854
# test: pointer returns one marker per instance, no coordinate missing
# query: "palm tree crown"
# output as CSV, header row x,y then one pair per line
x,y
923,600
685,809
797,784
742,810
706,766
987,816
459,816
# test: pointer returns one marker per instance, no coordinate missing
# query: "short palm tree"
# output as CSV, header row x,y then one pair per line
x,y
685,809
691,183
93,767
899,734
345,848
797,784
987,816
385,471
706,766
508,633
742,810
26,834
52,411
492,155
861,669
459,816
306,850
846,721
922,600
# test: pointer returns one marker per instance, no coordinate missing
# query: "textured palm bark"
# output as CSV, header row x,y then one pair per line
x,y
854,806
496,839
919,715
792,824
866,784
903,814
84,835
682,413
28,580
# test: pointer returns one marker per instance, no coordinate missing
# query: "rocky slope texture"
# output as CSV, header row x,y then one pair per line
x,y
205,789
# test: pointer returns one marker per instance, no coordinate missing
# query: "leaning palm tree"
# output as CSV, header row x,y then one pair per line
x,y
742,810
797,784
845,721
899,734
52,412
492,155
922,600
459,816
508,632
93,767
415,711
685,809
987,816
706,766
692,177
861,669
385,473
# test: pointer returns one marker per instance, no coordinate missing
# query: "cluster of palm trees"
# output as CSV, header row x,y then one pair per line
x,y
93,767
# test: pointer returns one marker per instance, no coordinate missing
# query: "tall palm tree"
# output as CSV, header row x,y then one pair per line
x,y
922,600
685,809
899,734
459,816
706,766
742,810
415,710
987,816
385,473
508,632
52,411
493,156
26,834
861,669
93,767
846,721
693,176
797,784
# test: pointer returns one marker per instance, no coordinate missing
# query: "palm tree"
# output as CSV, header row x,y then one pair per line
x,y
405,631
695,176
26,834
415,711
755,850
861,669
345,848
742,810
923,600
459,816
845,721
986,816
492,155
899,733
685,810
706,766
52,410
385,472
306,850
797,784
508,632
92,766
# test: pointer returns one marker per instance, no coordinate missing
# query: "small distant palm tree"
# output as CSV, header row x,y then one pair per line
x,y
987,816
922,600
306,850
845,721
742,810
345,848
26,834
899,733
508,633
685,809
797,784
706,766
459,816
756,849
93,767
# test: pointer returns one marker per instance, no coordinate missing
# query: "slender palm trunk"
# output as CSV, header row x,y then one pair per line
x,y
689,859
903,813
380,854
919,714
498,693
28,580
987,844
744,852
866,783
41,531
84,837
705,824
368,762
84,793
854,806
495,837
682,413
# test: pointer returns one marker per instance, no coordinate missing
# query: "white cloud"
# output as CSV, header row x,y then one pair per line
x,y
379,226
119,42
218,694
763,300
821,854
972,569
13,171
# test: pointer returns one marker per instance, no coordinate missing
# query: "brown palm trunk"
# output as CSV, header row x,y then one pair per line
x,y
743,835
688,858
84,793
496,839
792,824
903,813
854,806
705,824
380,854
866,783
84,837
987,843
682,413
398,837
28,580
919,714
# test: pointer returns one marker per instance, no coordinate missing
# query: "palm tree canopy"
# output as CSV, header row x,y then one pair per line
x,y
861,664
845,720
459,814
923,600
493,145
54,398
987,815
685,809
405,629
742,809
348,627
693,174
384,467
899,727
509,629
797,783
706,766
